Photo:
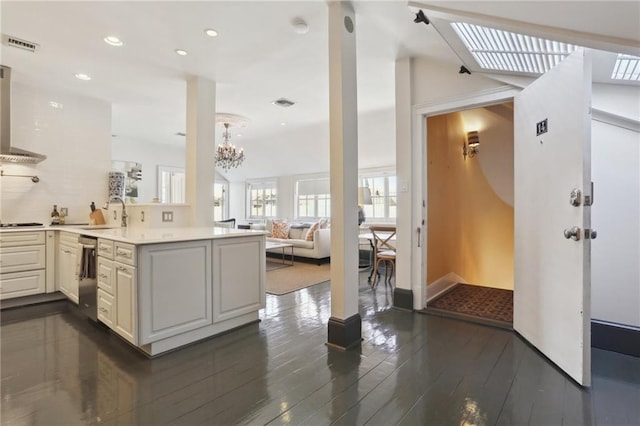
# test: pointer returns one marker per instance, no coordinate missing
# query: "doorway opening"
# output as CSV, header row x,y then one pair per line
x,y
470,211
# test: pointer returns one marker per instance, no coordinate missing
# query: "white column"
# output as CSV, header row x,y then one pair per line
x,y
406,221
345,323
200,169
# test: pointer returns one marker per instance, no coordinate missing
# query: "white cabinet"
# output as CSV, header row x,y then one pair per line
x,y
175,289
69,265
22,258
105,274
162,296
117,288
125,302
22,264
238,277
105,308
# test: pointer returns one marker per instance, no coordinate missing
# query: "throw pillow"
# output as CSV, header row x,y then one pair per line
x,y
324,223
311,231
280,230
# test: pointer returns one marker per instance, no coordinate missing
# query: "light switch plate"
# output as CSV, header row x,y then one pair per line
x,y
167,216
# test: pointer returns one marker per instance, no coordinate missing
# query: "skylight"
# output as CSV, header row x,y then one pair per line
x,y
627,67
506,51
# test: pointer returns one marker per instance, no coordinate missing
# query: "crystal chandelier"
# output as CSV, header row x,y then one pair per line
x,y
226,155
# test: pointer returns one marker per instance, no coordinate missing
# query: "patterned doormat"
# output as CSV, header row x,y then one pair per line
x,y
488,305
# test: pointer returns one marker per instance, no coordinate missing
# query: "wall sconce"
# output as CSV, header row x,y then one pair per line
x,y
470,148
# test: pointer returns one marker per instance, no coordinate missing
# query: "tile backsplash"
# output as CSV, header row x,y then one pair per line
x,y
75,137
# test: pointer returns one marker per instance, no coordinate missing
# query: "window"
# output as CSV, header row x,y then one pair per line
x,y
171,184
383,198
262,200
499,50
220,202
627,67
313,198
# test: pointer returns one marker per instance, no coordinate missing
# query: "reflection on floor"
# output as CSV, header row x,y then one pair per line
x,y
58,368
484,305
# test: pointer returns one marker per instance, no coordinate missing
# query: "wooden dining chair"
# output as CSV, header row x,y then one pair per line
x,y
384,251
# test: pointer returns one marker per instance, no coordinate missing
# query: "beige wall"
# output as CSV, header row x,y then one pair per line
x,y
470,227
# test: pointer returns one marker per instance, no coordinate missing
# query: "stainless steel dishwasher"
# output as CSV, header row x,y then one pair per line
x,y
88,285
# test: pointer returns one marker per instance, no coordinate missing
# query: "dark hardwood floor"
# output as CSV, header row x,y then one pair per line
x,y
59,369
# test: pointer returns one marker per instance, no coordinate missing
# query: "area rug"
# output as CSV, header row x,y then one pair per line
x,y
300,275
475,302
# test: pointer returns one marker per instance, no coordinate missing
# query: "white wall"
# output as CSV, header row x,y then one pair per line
x,y
617,99
150,155
435,82
77,141
615,254
237,201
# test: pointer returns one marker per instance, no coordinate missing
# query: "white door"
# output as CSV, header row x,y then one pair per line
x,y
552,305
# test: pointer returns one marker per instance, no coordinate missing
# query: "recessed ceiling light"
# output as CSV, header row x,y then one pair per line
x,y
211,32
499,50
239,135
113,41
627,67
181,52
283,124
81,76
54,104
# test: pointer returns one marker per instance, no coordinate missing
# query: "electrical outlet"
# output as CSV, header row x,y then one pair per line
x,y
167,216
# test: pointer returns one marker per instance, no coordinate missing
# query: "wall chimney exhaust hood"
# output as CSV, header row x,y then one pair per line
x,y
7,152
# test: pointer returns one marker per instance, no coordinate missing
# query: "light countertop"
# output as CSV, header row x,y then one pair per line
x,y
134,235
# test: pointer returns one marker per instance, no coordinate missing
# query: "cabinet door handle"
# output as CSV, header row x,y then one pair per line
x,y
123,253
67,251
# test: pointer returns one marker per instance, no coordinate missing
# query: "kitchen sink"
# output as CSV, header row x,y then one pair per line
x,y
88,227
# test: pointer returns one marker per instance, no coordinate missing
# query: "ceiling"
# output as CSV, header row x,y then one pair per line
x,y
256,59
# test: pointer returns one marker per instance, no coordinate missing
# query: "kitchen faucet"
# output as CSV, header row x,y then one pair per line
x,y
124,210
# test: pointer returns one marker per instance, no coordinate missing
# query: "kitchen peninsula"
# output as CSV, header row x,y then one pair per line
x,y
160,289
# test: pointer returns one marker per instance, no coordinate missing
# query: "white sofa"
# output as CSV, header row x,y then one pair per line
x,y
319,249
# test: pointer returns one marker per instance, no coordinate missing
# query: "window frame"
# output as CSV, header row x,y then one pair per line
x,y
219,180
316,199
270,185
389,198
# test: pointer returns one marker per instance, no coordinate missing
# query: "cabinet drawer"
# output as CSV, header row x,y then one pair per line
x,y
105,275
12,239
105,248
68,238
105,308
125,253
18,284
22,258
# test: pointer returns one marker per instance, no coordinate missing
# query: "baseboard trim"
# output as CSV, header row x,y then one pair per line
x,y
344,334
403,299
442,285
614,337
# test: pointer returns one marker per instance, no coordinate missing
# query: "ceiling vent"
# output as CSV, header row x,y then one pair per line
x,y
285,103
19,43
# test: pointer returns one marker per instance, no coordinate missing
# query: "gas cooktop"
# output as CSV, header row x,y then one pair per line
x,y
19,224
